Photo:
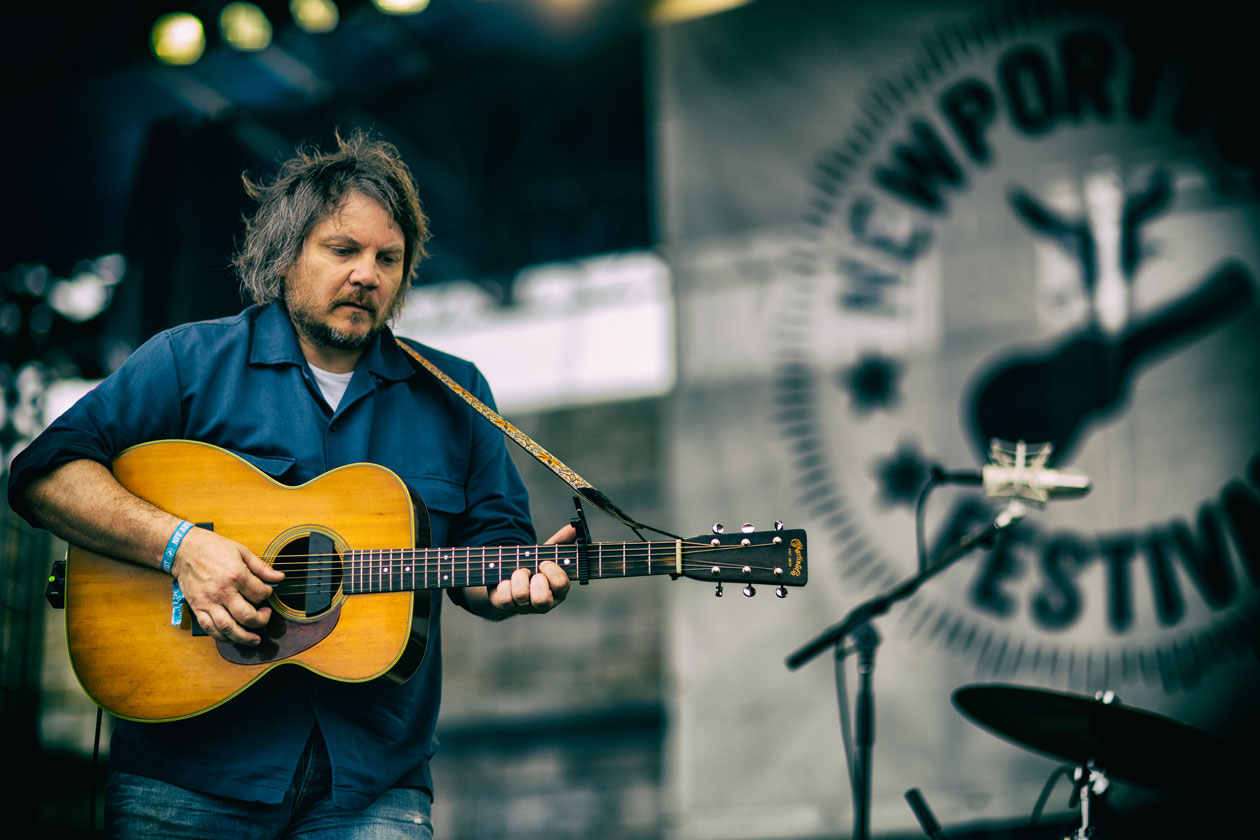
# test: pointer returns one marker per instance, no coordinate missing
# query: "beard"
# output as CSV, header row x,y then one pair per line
x,y
310,322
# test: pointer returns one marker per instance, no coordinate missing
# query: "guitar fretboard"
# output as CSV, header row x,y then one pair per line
x,y
402,570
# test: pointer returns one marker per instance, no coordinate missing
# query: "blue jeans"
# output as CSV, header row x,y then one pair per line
x,y
139,807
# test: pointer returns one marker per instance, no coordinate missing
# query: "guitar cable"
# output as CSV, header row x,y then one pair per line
x,y
96,757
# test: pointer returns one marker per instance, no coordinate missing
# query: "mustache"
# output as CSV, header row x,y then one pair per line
x,y
361,300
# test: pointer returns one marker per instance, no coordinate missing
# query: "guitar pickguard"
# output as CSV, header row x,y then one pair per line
x,y
281,639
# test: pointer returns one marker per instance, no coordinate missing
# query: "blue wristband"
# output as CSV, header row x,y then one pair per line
x,y
177,604
168,556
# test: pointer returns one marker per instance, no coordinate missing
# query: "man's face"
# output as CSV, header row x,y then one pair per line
x,y
346,283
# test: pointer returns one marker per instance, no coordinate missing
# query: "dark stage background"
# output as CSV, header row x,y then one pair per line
x,y
883,234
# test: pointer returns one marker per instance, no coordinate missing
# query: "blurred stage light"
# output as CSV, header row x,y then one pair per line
x,y
178,38
314,16
568,11
244,26
401,7
676,11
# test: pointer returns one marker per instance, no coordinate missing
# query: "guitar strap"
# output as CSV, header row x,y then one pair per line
x,y
583,487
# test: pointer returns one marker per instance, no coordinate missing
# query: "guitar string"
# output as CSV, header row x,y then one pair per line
x,y
423,568
637,553
296,578
640,562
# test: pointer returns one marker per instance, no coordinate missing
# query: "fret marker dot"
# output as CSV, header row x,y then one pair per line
x,y
492,565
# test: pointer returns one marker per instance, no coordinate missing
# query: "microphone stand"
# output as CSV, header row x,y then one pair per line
x,y
866,642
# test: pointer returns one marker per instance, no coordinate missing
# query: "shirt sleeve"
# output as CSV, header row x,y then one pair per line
x,y
497,510
138,402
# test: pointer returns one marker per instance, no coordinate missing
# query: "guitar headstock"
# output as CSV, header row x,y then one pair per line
x,y
749,557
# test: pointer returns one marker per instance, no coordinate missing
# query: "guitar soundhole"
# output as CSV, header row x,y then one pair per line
x,y
312,568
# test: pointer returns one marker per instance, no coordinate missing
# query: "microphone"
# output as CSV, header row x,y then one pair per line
x,y
1018,471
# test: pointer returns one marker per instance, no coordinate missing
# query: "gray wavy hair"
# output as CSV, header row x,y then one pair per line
x,y
307,189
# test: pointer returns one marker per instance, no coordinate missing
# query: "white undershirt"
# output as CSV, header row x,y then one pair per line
x,y
332,385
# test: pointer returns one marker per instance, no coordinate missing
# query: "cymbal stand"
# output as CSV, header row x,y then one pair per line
x,y
1089,783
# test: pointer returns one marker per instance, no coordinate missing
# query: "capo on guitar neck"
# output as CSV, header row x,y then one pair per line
x,y
582,542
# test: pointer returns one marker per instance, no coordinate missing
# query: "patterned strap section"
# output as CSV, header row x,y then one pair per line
x,y
583,487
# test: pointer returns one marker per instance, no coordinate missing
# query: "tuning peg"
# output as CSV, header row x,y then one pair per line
x,y
780,591
717,593
719,528
778,524
748,527
749,591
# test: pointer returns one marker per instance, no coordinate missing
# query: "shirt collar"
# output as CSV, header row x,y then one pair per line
x,y
275,343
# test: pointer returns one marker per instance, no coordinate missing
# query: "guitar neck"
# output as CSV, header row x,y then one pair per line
x,y
403,570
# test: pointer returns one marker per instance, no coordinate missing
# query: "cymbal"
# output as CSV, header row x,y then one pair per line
x,y
1127,744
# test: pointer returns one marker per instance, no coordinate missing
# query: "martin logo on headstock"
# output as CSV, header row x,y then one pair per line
x,y
776,557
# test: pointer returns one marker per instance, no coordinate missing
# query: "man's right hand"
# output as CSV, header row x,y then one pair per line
x,y
223,582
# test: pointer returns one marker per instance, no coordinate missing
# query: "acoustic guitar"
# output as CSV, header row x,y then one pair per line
x,y
353,546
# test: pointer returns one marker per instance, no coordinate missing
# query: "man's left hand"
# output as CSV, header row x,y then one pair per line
x,y
535,592
526,591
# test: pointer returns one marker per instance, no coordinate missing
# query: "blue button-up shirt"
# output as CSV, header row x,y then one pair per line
x,y
242,383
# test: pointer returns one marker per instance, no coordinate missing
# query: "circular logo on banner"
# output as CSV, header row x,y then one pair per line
x,y
1043,230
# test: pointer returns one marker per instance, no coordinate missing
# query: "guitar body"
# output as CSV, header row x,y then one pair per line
x,y
132,661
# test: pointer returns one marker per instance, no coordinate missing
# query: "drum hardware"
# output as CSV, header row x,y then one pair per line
x,y
1102,738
